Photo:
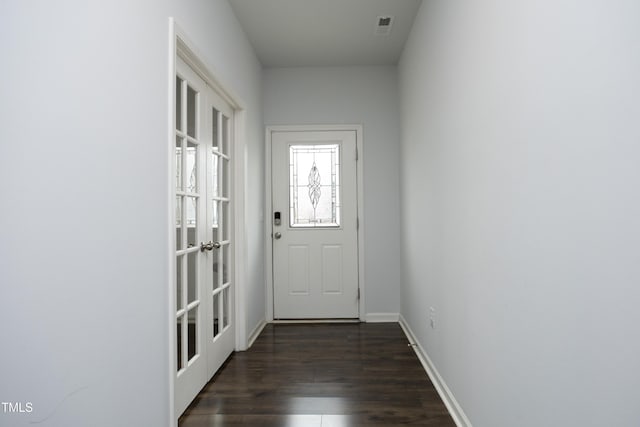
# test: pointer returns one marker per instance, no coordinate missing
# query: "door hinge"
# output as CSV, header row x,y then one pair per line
x,y
358,293
356,154
357,223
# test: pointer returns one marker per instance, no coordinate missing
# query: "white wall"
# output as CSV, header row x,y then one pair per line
x,y
84,218
354,95
521,206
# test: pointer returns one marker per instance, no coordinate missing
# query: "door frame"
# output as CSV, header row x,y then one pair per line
x,y
358,129
180,45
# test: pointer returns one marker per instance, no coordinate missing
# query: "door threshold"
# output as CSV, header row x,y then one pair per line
x,y
294,321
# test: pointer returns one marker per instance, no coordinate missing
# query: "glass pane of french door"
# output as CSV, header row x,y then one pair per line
x,y
221,221
188,223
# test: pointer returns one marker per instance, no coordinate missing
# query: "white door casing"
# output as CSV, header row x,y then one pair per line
x,y
315,242
204,294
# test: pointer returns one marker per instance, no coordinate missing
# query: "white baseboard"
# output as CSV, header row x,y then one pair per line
x,y
381,317
447,397
256,332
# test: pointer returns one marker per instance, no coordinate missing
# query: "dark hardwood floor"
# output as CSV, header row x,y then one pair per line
x,y
312,375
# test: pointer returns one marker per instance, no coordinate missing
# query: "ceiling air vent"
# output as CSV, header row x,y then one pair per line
x,y
383,24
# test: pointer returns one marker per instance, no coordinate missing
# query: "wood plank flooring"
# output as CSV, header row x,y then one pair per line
x,y
322,375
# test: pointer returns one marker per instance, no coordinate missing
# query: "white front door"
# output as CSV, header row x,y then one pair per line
x,y
204,294
314,224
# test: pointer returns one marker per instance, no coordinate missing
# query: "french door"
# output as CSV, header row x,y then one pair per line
x,y
314,223
204,290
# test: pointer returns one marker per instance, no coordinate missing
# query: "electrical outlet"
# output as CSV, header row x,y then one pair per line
x,y
432,317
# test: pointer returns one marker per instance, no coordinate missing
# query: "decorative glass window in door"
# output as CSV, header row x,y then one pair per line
x,y
314,185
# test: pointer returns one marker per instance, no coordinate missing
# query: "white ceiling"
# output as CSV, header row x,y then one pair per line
x,y
297,33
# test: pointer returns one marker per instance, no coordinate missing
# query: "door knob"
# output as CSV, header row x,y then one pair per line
x,y
277,235
209,246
